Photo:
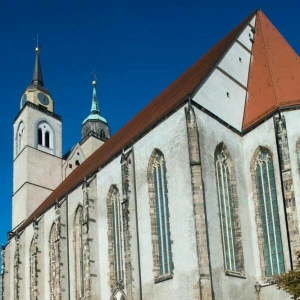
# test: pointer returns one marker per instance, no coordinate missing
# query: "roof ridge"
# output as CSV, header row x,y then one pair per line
x,y
268,59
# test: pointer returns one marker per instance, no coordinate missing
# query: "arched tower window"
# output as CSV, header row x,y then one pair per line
x,y
268,213
229,211
40,136
45,135
47,139
53,255
20,138
79,253
158,191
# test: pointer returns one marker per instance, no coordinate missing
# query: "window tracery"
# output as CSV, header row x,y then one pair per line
x,y
53,255
79,253
32,269
229,217
269,217
117,235
158,192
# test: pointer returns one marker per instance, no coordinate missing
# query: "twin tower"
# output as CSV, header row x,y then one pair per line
x,y
38,164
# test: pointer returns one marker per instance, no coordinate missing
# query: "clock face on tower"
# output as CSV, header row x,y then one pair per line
x,y
43,98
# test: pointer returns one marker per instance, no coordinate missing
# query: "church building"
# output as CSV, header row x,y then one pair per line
x,y
197,197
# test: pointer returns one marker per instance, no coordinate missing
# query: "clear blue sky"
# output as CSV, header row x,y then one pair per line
x,y
136,47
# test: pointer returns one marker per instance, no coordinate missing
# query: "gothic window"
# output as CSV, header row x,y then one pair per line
x,y
229,214
298,152
33,270
53,255
79,253
16,272
45,135
20,138
158,191
117,235
268,212
115,248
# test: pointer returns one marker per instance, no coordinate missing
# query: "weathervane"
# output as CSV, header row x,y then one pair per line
x,y
95,77
38,46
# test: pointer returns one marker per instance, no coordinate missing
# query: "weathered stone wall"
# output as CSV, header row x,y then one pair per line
x,y
204,289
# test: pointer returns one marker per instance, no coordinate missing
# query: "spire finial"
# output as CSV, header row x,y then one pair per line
x,y
95,106
94,82
37,78
95,111
37,48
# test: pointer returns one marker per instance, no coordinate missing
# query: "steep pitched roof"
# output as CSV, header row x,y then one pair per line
x,y
274,79
163,104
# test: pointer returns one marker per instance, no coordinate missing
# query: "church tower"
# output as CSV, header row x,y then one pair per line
x,y
94,130
37,148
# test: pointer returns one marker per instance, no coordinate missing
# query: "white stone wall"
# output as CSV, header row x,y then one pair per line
x,y
35,173
224,92
170,137
109,175
242,149
31,117
293,132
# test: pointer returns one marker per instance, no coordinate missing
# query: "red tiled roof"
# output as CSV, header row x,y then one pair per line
x,y
274,79
163,104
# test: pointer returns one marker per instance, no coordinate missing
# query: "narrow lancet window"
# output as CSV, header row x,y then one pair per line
x,y
159,179
117,235
33,270
54,274
229,218
268,209
79,254
20,138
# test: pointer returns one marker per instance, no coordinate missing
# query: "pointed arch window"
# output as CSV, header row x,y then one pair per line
x,y
229,214
16,272
33,270
159,203
269,217
79,253
20,138
117,234
298,152
53,255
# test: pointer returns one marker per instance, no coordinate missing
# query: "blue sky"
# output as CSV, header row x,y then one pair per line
x,y
137,48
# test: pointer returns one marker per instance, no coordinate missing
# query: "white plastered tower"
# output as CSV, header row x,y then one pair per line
x,y
37,148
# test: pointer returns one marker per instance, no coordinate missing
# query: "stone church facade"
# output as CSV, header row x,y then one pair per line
x,y
197,197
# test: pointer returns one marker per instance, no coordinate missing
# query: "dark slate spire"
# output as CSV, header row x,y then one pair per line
x,y
37,78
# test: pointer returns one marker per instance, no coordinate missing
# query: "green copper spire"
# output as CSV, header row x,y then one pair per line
x,y
95,111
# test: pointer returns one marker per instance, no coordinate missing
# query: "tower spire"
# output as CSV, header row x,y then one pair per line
x,y
37,78
95,106
95,111
95,125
